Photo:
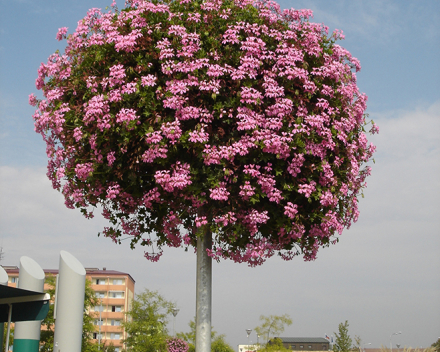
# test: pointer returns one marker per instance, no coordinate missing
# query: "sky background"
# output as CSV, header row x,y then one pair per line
x,y
384,274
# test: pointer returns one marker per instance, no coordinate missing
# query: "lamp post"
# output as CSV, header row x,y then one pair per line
x,y
366,344
248,333
174,311
100,323
394,333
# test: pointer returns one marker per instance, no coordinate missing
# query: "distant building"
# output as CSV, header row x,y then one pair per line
x,y
305,343
116,292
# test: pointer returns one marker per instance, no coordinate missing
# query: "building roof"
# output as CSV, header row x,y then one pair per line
x,y
89,271
304,340
26,305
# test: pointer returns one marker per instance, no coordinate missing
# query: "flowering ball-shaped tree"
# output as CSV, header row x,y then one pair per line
x,y
177,345
232,116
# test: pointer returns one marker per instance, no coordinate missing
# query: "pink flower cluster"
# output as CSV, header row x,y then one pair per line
x,y
188,116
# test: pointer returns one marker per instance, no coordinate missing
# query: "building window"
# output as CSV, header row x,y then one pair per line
x,y
116,294
114,336
310,347
100,282
116,349
301,346
100,294
324,347
98,322
99,309
116,308
115,323
97,336
118,282
14,280
293,346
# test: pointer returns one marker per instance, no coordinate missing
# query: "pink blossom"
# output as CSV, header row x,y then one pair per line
x,y
149,81
33,100
83,170
61,34
220,192
291,210
307,189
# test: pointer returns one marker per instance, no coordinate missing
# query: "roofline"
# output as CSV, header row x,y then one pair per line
x,y
89,272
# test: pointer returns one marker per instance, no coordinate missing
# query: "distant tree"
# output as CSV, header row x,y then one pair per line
x,y
436,345
272,324
218,343
11,336
48,324
343,342
146,322
357,343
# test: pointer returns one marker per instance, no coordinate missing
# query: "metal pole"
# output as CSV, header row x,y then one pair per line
x,y
9,328
100,322
203,292
394,333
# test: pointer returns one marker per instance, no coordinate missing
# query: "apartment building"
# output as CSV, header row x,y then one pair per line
x,y
115,291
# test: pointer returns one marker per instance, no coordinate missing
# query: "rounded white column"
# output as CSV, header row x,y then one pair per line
x,y
69,304
3,281
27,333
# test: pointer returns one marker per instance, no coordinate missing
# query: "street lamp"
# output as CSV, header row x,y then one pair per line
x,y
248,332
174,312
366,344
394,333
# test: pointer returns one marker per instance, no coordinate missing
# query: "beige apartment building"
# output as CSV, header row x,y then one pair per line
x,y
115,291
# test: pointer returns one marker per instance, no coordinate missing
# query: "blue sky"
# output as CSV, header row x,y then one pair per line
x,y
382,277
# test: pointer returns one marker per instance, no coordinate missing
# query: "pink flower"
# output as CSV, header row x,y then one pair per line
x,y
149,81
33,100
307,189
219,193
291,210
61,33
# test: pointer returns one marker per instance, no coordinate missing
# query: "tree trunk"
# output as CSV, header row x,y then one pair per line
x,y
203,294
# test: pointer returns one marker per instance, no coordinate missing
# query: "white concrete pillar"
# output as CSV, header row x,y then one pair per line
x,y
3,281
69,307
27,333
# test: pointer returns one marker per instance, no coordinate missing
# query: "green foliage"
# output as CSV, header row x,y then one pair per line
x,y
343,342
218,343
274,345
436,345
146,322
357,343
47,333
272,324
11,336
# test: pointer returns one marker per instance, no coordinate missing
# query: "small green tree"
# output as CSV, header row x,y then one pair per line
x,y
343,342
357,343
146,322
272,324
48,324
436,345
11,336
218,342
274,345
